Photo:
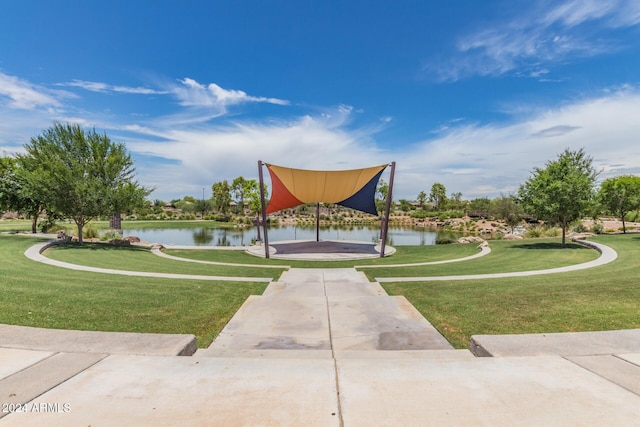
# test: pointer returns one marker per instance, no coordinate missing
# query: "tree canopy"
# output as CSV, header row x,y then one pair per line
x,y
438,195
561,192
620,195
80,174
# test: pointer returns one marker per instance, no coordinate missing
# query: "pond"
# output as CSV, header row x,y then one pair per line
x,y
205,236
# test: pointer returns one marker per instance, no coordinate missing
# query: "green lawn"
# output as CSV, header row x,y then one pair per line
x,y
141,259
603,298
506,256
35,294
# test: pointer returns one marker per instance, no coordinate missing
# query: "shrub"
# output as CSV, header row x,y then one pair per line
x,y
110,235
579,228
597,228
445,240
533,232
90,232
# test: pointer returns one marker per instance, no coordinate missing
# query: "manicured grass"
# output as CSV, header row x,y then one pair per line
x,y
13,225
603,298
35,294
505,256
141,259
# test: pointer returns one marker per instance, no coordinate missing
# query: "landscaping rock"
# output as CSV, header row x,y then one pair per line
x,y
471,239
132,239
512,237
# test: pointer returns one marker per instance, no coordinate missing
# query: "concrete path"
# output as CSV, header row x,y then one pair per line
x,y
35,253
322,347
607,255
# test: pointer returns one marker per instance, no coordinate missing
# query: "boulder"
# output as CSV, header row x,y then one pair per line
x,y
131,239
470,239
512,237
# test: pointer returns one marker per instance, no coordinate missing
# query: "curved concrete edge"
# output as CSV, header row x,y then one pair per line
x,y
156,250
484,250
607,255
34,253
258,251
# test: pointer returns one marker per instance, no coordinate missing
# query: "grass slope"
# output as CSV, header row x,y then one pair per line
x,y
34,294
603,298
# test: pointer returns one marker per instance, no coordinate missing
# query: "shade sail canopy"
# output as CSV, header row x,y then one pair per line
x,y
355,188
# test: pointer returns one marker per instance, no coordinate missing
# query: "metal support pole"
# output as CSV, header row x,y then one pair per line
x,y
317,221
385,220
264,210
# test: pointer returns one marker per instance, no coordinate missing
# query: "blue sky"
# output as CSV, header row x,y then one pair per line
x,y
471,94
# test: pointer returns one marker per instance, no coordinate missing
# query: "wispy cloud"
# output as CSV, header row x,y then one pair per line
x,y
27,96
555,131
106,88
539,36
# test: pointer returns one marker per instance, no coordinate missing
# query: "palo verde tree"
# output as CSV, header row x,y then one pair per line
x,y
80,174
620,195
561,192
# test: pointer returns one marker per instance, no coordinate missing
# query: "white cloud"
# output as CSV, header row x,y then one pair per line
x,y
27,96
493,159
105,88
538,36
193,94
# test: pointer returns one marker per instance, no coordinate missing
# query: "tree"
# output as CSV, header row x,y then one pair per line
x,y
16,194
382,191
507,209
620,195
438,195
221,196
422,199
81,175
203,206
252,195
238,189
405,206
9,186
563,191
479,207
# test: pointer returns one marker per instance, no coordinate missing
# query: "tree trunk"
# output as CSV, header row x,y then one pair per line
x,y
34,224
564,232
80,226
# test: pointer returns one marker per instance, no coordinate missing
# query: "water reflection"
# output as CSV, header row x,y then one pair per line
x,y
204,236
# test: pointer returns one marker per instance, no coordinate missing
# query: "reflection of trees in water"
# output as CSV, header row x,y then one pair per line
x,y
202,236
223,239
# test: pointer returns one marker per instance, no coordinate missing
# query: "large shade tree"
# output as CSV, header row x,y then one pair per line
x,y
561,192
621,195
80,174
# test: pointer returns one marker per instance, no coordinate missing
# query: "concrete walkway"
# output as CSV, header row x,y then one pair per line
x,y
322,347
35,253
607,255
